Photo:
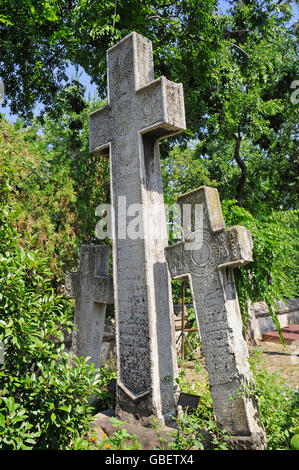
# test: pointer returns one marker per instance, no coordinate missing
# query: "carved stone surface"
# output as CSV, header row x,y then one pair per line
x,y
209,267
93,289
140,111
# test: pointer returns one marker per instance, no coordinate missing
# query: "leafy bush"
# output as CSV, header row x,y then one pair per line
x,y
44,391
295,442
120,439
15,430
55,184
273,274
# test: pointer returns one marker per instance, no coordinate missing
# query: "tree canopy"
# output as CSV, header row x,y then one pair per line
x,y
237,67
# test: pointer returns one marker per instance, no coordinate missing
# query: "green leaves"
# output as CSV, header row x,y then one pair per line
x,y
15,430
273,274
278,404
44,390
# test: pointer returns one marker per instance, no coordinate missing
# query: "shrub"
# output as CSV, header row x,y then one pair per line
x,y
44,391
278,404
273,274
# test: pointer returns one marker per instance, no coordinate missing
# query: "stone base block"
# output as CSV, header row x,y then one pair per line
x,y
290,334
256,442
147,437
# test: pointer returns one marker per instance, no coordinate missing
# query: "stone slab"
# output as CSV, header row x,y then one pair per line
x,y
147,437
290,334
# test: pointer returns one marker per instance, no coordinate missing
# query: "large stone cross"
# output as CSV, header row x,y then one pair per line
x,y
140,111
92,288
207,257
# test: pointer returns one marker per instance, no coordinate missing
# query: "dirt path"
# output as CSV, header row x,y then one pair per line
x,y
283,360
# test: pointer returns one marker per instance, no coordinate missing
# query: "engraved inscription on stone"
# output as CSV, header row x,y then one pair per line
x,y
209,269
123,126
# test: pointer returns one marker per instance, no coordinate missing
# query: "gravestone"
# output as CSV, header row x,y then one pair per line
x,y
206,257
140,111
93,289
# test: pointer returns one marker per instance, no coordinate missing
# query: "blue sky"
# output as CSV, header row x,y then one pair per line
x,y
91,88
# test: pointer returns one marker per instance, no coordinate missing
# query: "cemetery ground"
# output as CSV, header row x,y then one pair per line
x,y
276,374
276,358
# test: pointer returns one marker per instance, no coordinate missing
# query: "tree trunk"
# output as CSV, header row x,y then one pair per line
x,y
242,181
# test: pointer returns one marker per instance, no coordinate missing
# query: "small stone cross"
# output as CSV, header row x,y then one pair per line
x,y
93,289
207,257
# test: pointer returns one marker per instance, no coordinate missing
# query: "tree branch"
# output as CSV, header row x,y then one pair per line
x,y
238,47
242,181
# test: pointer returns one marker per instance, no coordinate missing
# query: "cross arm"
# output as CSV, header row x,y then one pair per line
x,y
92,278
174,255
100,288
99,130
161,108
236,247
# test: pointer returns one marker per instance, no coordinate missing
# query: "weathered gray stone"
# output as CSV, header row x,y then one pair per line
x,y
93,289
140,111
261,321
209,267
146,437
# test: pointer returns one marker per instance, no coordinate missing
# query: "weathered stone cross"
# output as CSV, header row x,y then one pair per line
x,y
140,111
208,261
93,289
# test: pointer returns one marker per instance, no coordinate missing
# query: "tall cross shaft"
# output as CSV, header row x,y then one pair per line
x,y
207,257
140,111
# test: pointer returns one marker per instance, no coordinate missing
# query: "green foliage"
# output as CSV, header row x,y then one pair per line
x,y
105,398
271,180
182,172
120,439
295,442
156,426
244,94
278,404
44,390
66,136
192,343
197,426
189,434
55,184
273,274
41,196
15,430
